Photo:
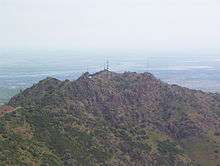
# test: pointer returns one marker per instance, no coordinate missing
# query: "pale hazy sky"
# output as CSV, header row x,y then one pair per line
x,y
164,25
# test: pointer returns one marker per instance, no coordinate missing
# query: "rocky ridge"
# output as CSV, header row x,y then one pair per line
x,y
131,118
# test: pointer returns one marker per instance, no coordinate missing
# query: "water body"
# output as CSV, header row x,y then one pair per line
x,y
19,69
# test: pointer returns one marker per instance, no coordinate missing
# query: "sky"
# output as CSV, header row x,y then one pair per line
x,y
144,25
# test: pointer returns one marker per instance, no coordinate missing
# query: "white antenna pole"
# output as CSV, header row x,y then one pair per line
x,y
107,63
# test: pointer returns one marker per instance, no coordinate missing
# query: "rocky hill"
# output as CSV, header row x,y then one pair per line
x,y
111,118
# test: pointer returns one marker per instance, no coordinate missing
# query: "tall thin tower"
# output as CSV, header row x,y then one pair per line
x,y
107,69
107,64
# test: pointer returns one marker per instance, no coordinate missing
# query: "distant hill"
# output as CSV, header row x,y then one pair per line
x,y
114,119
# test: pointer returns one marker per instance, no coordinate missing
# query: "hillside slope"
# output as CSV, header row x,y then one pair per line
x,y
109,118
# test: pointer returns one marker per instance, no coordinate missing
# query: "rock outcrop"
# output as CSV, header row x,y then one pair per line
x,y
127,118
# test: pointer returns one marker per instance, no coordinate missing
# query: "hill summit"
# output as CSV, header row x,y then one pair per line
x,y
110,118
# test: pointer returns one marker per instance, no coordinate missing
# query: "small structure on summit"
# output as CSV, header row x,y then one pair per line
x,y
107,65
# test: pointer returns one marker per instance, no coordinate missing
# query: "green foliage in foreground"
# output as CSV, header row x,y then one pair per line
x,y
36,137
33,137
19,147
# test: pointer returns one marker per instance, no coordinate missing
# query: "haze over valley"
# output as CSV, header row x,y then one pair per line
x,y
109,83
19,71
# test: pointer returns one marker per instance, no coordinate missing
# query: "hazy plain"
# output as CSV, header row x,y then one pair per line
x,y
21,69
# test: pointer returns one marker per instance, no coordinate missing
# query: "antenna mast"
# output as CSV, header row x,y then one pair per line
x,y
107,68
107,65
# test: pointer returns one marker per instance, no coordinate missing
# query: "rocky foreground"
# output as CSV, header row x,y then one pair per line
x,y
111,119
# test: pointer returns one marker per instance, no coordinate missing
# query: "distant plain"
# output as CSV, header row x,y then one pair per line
x,y
22,71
